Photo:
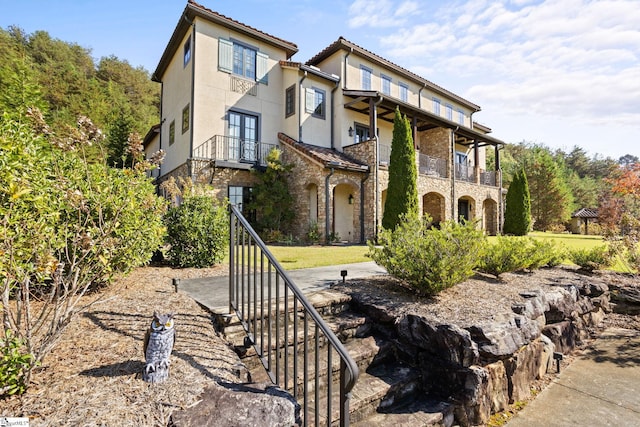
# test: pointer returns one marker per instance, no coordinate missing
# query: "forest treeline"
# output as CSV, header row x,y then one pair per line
x,y
64,82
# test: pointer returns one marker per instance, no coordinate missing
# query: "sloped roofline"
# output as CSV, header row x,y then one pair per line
x,y
344,44
193,10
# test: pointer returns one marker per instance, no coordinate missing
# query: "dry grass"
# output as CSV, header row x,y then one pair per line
x,y
92,377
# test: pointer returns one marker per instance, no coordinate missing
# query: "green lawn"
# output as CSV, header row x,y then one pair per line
x,y
296,257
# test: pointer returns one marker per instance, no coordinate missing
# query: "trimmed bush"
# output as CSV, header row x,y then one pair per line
x,y
14,365
428,259
513,253
517,215
595,258
197,232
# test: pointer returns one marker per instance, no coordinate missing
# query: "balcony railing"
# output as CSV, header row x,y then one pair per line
x,y
488,178
233,149
465,172
432,166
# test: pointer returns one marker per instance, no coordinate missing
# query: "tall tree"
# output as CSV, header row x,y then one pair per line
x,y
402,191
517,215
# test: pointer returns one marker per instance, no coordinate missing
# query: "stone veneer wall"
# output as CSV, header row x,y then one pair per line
x,y
365,152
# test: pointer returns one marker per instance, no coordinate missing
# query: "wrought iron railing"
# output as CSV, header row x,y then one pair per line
x,y
465,172
384,154
296,347
233,149
432,166
488,178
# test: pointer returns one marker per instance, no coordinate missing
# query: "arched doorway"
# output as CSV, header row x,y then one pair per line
x,y
466,208
433,205
344,202
490,214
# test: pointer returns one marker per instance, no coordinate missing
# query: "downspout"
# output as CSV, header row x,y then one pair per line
x,y
300,108
332,120
453,173
377,169
193,89
326,206
346,63
420,95
362,181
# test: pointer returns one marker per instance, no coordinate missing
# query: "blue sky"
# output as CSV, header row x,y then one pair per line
x,y
560,73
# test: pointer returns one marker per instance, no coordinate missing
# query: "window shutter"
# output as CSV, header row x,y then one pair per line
x,y
262,70
225,55
310,97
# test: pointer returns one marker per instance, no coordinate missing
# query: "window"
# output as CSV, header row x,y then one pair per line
x,y
461,117
436,106
315,102
386,84
404,92
365,74
172,132
242,132
185,119
461,158
362,133
290,101
242,60
187,51
449,110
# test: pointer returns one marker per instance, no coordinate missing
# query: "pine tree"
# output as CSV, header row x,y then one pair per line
x,y
517,215
402,192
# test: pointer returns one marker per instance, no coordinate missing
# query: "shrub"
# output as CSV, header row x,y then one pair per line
x,y
14,365
517,215
313,233
595,258
67,226
197,232
513,253
429,259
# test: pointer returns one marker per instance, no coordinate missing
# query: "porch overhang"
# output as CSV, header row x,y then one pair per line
x,y
362,100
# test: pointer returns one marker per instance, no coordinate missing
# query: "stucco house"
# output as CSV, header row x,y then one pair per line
x,y
230,93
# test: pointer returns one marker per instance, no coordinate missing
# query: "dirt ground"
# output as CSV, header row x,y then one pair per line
x,y
92,377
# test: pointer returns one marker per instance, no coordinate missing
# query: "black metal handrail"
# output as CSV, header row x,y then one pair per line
x,y
271,307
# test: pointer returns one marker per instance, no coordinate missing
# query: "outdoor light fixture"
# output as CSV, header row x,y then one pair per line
x,y
350,199
343,273
557,357
350,131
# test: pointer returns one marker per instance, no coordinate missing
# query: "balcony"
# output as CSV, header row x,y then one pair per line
x,y
231,149
488,178
465,173
432,166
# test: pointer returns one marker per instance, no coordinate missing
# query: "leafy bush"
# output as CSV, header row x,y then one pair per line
x,y
595,258
313,233
14,365
197,232
429,259
67,226
513,253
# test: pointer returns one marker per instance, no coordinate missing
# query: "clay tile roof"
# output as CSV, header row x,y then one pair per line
x,y
327,156
197,5
585,213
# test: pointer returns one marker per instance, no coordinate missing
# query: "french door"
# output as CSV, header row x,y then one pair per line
x,y
243,135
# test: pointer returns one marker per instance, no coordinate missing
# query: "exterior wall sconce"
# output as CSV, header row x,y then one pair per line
x,y
350,132
350,199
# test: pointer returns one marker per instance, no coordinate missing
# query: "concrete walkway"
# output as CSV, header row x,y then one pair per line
x,y
601,388
213,292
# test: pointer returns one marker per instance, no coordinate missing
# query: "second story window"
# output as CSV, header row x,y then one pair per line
x,y
461,117
185,119
365,77
449,109
404,92
386,84
172,132
290,101
436,106
315,102
242,60
187,51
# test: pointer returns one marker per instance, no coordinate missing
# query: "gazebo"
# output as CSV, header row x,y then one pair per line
x,y
580,217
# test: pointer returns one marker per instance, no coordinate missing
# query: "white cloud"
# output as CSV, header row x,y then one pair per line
x,y
381,13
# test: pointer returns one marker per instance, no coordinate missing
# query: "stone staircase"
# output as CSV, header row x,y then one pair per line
x,y
388,391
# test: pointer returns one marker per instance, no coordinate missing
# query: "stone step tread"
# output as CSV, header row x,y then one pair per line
x,y
368,393
417,414
345,325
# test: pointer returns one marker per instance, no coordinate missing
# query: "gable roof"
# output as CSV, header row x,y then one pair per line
x,y
193,10
328,157
344,44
